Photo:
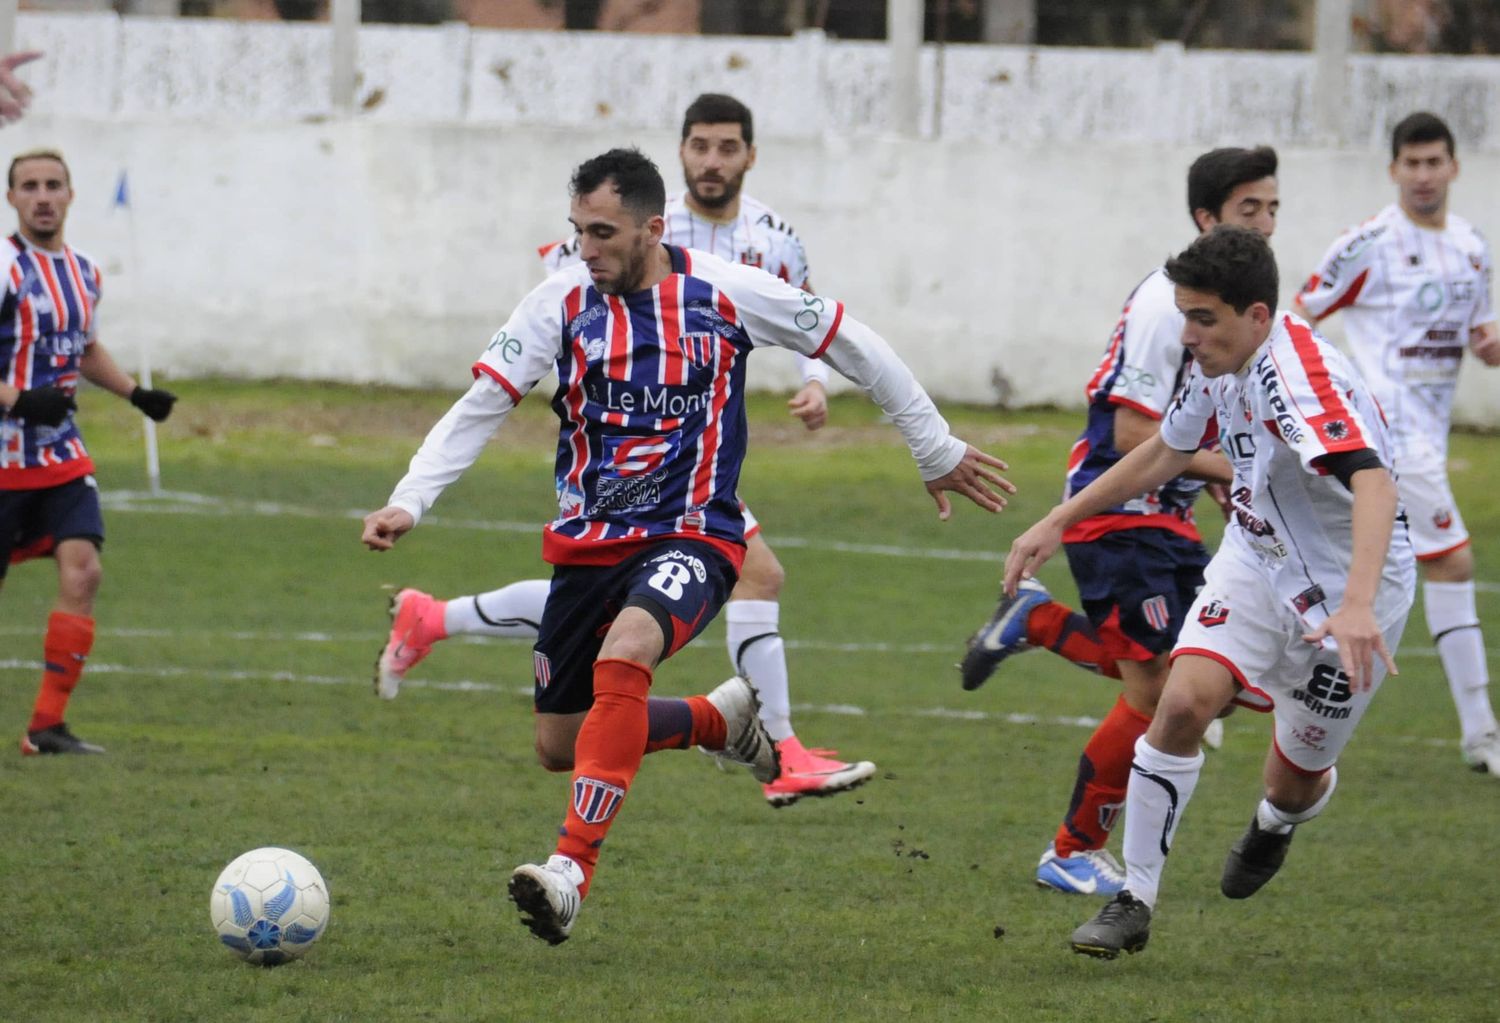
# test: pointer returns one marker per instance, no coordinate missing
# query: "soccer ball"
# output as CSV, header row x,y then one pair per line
x,y
269,906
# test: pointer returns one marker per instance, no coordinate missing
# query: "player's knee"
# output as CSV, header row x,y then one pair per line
x,y
761,577
552,758
1179,722
1453,567
79,579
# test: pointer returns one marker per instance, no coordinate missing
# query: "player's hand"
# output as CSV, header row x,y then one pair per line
x,y
810,405
46,406
1218,493
15,95
154,403
974,479
1029,552
1359,639
384,527
1485,343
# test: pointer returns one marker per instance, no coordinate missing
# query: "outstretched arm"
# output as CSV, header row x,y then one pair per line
x,y
1148,465
947,463
451,446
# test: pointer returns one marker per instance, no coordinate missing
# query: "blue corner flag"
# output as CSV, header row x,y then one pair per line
x,y
122,191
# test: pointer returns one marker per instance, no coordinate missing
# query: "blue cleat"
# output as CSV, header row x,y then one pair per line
x,y
1091,872
1004,634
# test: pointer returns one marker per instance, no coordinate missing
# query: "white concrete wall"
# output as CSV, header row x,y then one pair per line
x,y
265,238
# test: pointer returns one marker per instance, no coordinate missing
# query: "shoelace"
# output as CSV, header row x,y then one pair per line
x,y
1116,910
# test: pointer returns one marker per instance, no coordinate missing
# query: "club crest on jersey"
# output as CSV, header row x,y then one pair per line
x,y
541,669
1334,429
594,800
1443,518
593,349
1156,614
750,257
698,348
1213,614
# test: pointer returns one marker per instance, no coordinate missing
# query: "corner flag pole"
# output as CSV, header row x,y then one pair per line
x,y
153,459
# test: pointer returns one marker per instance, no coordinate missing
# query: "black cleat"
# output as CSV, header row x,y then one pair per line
x,y
57,739
1124,924
1253,860
1003,635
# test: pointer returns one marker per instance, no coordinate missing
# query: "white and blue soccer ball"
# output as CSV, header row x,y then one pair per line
x,y
269,906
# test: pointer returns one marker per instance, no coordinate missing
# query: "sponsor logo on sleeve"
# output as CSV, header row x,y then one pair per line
x,y
506,347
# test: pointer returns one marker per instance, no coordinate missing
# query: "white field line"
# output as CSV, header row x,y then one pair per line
x,y
472,686
179,503
373,637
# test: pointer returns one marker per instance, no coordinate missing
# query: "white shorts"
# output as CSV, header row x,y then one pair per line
x,y
1239,622
1436,527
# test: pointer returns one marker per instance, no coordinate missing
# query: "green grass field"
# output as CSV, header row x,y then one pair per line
x,y
230,681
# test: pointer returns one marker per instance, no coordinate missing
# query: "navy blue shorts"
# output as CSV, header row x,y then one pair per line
x,y
681,583
34,522
1144,579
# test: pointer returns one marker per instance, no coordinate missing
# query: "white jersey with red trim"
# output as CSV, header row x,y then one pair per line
x,y
1410,296
47,305
1296,401
756,237
651,398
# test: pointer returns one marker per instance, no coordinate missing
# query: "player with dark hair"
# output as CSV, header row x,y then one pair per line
x,y
1137,565
649,343
1308,592
49,502
713,214
1414,283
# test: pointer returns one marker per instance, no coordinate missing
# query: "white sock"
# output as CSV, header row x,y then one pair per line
x,y
513,611
1159,790
1454,624
1273,818
756,651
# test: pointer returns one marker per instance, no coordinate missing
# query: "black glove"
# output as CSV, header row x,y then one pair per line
x,y
156,404
48,406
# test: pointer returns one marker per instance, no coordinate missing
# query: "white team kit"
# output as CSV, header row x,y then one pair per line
x,y
757,237
1410,295
1284,562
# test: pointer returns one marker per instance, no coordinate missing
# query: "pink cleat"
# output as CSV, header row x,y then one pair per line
x,y
416,624
807,772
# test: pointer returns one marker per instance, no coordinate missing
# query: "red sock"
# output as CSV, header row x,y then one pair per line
x,y
67,645
680,724
606,756
1064,631
1103,773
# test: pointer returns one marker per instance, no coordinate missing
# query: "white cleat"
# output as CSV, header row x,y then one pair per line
x,y
745,738
1483,754
547,897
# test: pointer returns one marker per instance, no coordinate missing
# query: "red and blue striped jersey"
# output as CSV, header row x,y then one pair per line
x,y
46,323
651,397
1142,367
